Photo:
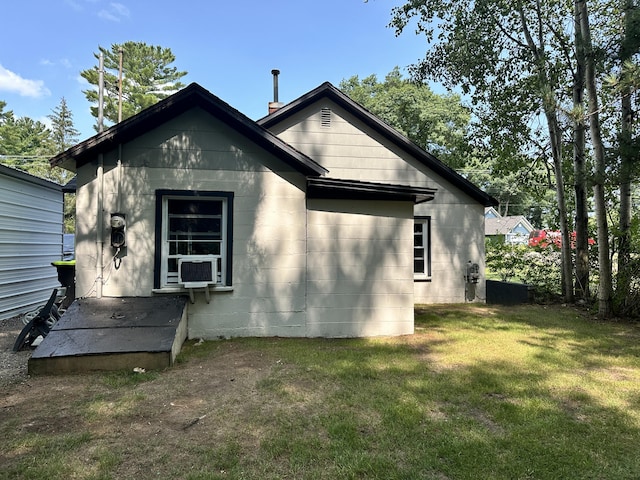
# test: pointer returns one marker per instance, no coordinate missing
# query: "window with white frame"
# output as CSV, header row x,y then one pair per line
x,y
193,225
422,248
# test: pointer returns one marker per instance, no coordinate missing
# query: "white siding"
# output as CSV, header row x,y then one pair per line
x,y
30,239
457,236
351,150
359,268
197,152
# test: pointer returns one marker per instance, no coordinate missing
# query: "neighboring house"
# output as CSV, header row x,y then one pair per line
x,y
514,230
31,214
491,212
318,220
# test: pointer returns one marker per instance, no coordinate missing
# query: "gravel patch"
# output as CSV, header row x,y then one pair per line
x,y
13,365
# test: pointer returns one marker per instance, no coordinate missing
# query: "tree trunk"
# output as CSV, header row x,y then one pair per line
x,y
551,109
556,148
627,49
606,282
579,168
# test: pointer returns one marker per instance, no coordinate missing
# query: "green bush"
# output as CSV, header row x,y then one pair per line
x,y
535,266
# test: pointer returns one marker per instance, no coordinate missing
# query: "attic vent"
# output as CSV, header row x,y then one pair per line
x,y
325,117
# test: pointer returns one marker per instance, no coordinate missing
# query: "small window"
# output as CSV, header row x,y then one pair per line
x,y
325,117
190,225
422,248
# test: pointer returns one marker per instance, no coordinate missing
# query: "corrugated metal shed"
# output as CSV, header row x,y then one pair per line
x,y
31,215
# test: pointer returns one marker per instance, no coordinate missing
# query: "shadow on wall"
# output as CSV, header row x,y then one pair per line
x,y
270,245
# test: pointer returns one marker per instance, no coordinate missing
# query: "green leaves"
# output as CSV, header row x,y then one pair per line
x,y
64,134
437,123
27,144
147,78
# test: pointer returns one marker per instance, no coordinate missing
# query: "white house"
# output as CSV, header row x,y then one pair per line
x,y
318,220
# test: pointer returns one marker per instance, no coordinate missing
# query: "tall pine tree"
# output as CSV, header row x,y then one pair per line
x,y
147,78
63,132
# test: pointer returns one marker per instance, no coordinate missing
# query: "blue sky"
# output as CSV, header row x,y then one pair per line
x,y
229,47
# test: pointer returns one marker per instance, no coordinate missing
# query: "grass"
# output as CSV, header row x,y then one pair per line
x,y
477,392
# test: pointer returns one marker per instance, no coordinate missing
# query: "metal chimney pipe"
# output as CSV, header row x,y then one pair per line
x,y
275,105
275,73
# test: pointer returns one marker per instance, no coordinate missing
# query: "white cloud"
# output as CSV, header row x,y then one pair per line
x,y
65,62
12,82
115,13
120,9
73,4
77,5
105,15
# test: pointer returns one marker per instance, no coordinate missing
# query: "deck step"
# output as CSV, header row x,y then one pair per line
x,y
114,334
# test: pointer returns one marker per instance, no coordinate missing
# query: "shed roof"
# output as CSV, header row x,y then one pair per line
x,y
27,177
327,90
189,97
71,186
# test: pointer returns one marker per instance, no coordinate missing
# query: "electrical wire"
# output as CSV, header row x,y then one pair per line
x,y
105,280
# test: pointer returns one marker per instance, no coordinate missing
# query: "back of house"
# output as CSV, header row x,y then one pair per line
x,y
318,220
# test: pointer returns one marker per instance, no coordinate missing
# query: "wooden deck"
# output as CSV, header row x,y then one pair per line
x,y
114,334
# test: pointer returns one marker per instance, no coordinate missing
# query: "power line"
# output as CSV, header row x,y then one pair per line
x,y
25,157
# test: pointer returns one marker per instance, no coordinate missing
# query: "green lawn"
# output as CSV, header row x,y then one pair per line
x,y
478,392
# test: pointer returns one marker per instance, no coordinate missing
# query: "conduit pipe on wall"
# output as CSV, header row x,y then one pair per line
x,y
100,226
119,186
100,180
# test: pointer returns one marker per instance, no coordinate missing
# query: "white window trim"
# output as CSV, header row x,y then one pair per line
x,y
426,245
165,286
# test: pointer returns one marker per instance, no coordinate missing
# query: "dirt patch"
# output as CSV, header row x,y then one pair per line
x,y
13,365
192,409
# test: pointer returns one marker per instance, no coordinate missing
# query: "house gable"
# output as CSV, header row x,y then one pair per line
x,y
197,160
508,225
188,98
491,212
355,145
362,146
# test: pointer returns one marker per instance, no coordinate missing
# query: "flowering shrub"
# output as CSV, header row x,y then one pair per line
x,y
553,238
542,268
536,266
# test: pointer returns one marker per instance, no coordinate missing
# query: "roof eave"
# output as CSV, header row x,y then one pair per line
x,y
340,189
192,96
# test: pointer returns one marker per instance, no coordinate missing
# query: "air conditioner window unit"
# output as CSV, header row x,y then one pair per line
x,y
197,272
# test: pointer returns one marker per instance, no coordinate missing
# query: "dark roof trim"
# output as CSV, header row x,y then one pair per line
x,y
27,177
71,186
338,189
189,97
327,90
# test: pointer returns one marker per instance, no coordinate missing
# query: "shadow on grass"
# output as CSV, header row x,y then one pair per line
x,y
392,408
477,392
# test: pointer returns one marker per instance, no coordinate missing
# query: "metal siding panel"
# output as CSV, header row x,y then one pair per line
x,y
30,239
27,274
